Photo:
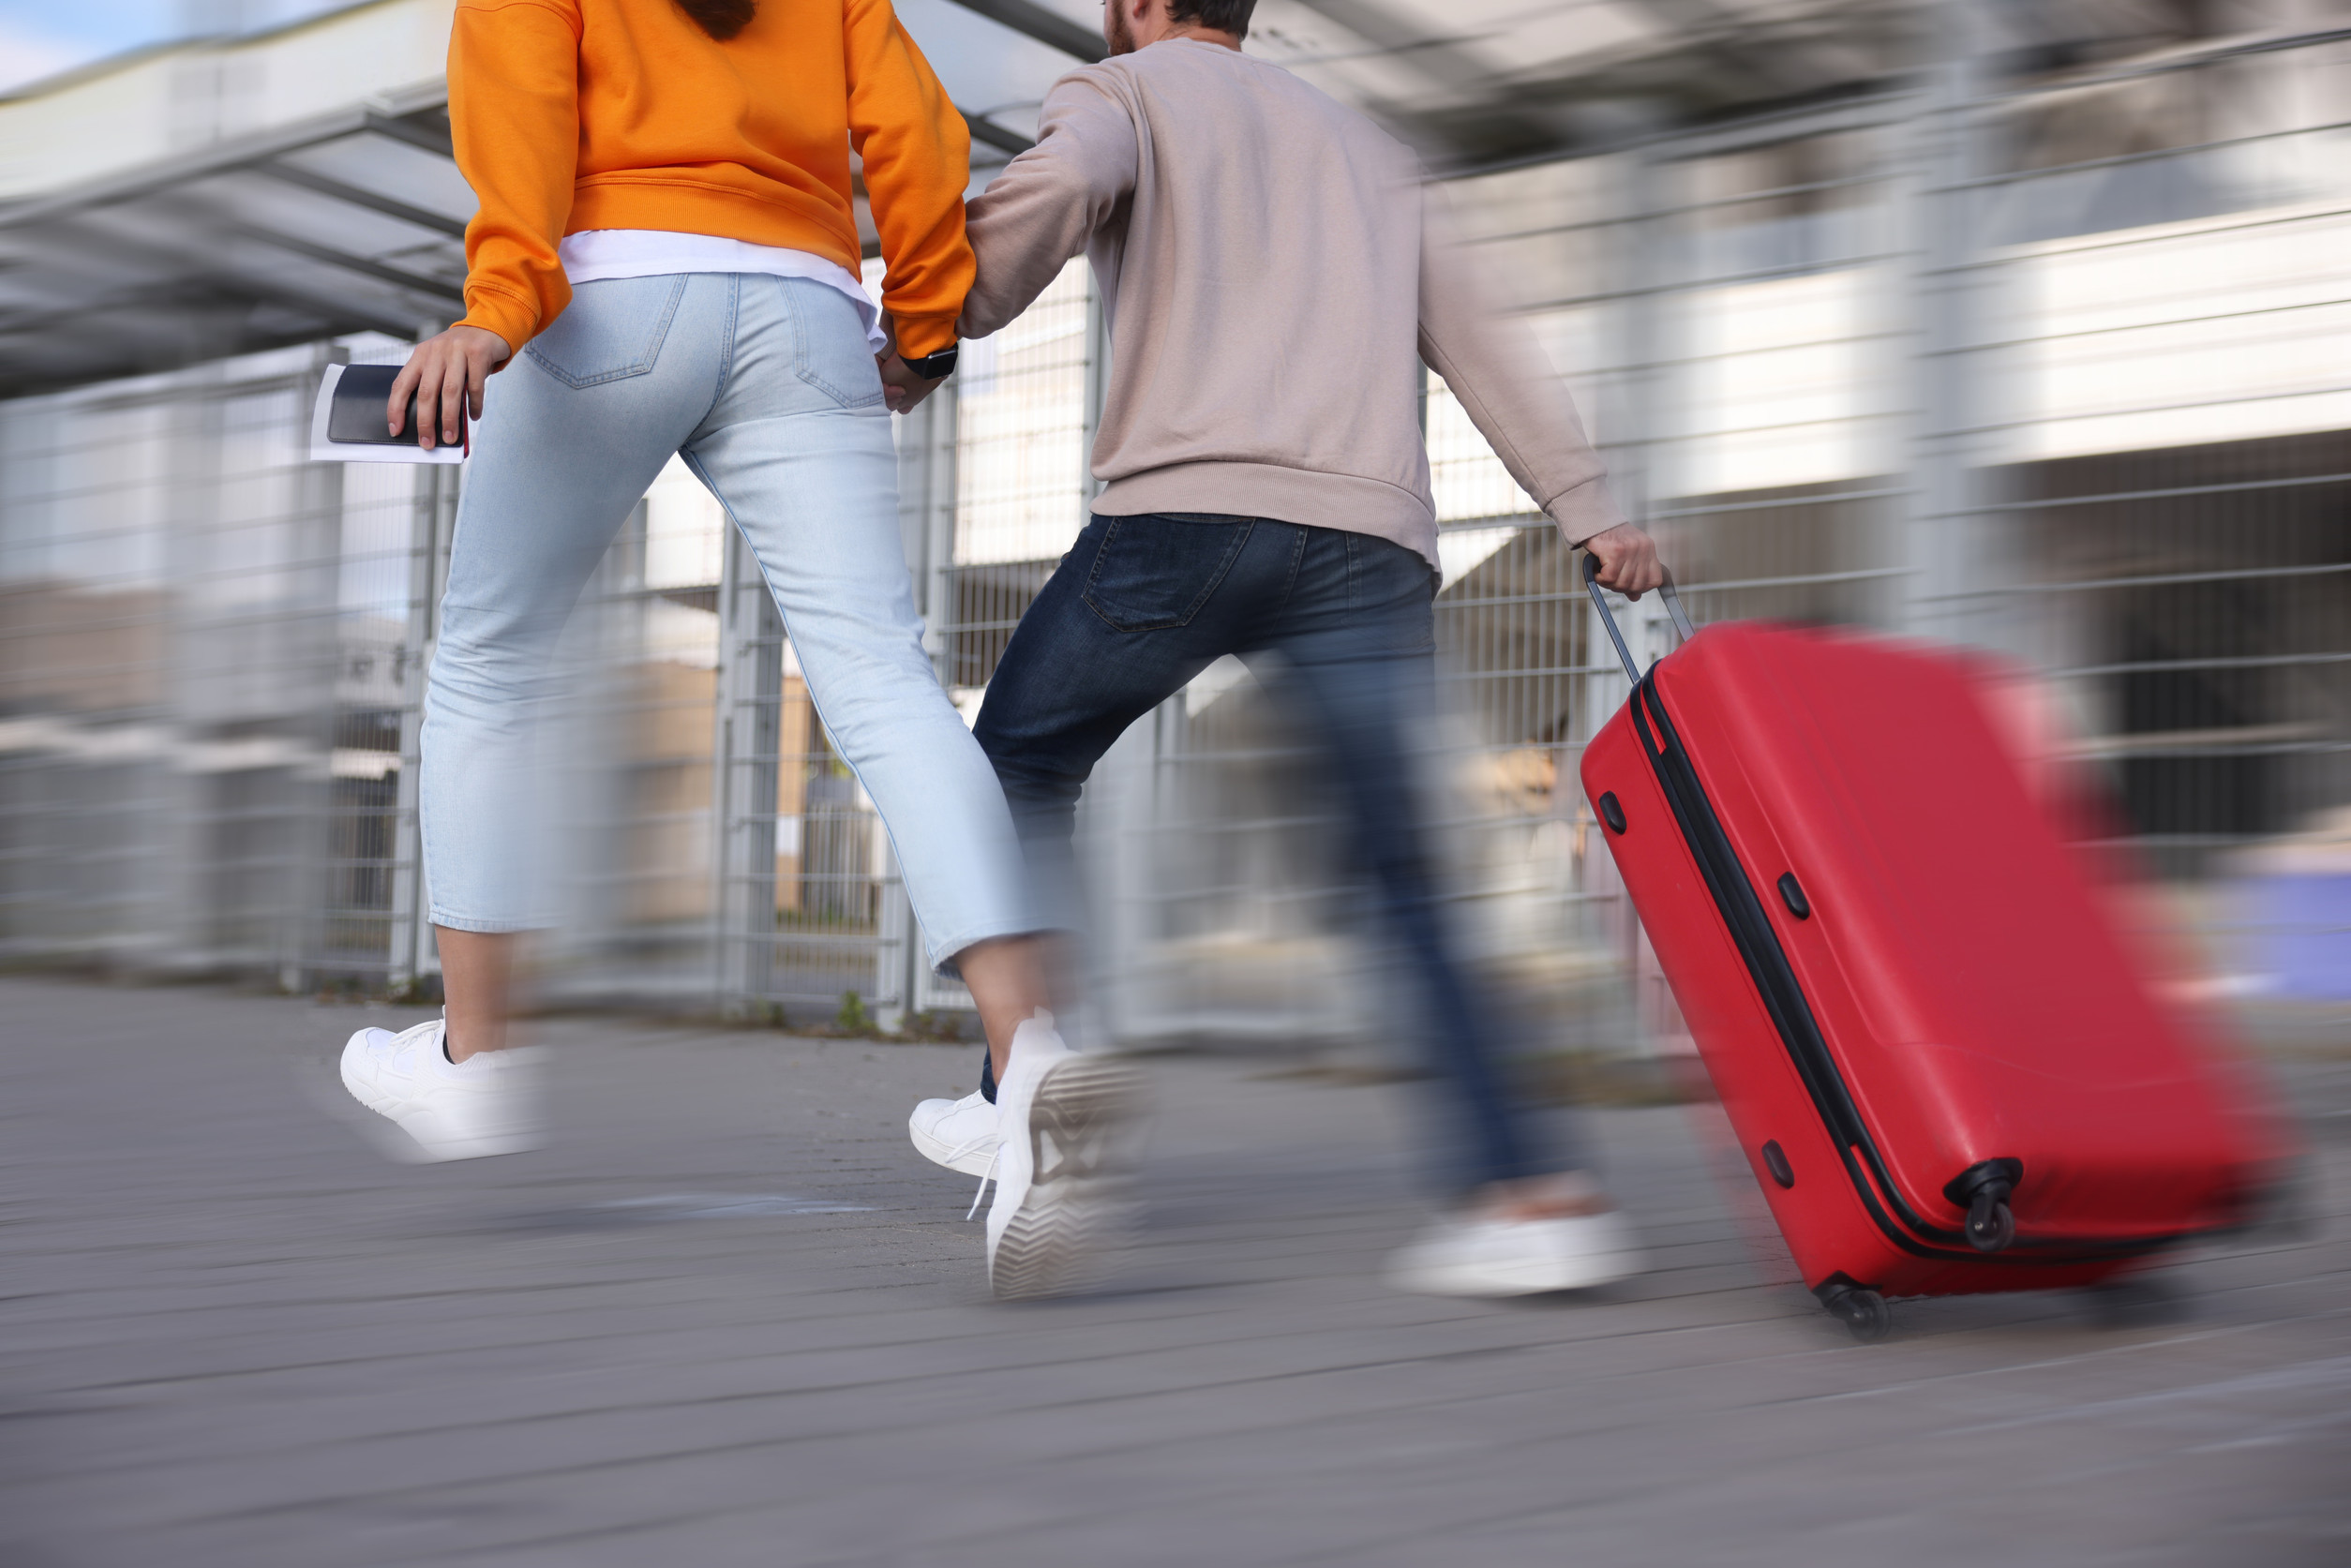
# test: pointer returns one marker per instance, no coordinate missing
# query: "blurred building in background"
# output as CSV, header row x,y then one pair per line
x,y
2026,326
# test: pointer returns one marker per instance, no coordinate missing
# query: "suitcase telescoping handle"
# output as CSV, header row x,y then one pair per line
x,y
1608,618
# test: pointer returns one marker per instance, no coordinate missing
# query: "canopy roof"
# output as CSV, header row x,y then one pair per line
x,y
221,196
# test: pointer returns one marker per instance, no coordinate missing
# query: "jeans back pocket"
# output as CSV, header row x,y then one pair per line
x,y
1156,570
612,329
1391,595
831,352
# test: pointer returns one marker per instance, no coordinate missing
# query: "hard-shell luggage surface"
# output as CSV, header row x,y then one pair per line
x,y
1942,1064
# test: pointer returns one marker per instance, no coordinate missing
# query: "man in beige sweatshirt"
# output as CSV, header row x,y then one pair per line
x,y
1274,275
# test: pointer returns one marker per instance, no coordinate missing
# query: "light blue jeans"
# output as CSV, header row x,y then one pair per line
x,y
768,389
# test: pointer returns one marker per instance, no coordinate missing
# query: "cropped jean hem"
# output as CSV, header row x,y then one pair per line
x,y
488,928
945,952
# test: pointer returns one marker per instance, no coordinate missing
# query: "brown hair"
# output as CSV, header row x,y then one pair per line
x,y
721,19
1225,16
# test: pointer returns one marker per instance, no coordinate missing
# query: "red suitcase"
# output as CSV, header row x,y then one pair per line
x,y
1941,1061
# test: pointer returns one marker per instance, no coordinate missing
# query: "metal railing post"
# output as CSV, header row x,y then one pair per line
x,y
1949,545
750,691
432,520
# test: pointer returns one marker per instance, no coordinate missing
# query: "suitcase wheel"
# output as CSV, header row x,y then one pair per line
x,y
1991,1224
1864,1311
1982,1189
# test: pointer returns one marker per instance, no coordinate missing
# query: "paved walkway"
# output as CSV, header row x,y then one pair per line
x,y
730,1319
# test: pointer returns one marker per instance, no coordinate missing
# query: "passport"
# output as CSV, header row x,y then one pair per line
x,y
348,425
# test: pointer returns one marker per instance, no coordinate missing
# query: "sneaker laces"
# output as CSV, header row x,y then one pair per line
x,y
985,1176
968,1145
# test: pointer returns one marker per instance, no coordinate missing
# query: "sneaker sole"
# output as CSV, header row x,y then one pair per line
x,y
446,1150
1073,1218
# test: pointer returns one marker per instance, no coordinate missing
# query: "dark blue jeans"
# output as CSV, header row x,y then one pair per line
x,y
1140,605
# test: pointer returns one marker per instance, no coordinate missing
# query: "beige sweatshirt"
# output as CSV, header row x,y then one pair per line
x,y
1273,274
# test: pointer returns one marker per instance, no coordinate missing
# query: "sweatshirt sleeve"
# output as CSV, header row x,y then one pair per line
x,y
918,160
513,115
1047,202
1494,366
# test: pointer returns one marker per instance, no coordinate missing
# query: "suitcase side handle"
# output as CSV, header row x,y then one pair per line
x,y
1608,617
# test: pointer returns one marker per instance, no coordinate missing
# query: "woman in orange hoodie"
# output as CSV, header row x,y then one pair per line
x,y
664,261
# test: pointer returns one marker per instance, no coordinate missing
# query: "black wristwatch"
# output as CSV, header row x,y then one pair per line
x,y
932,368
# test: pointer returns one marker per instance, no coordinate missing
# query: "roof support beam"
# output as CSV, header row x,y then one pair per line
x,y
997,136
110,320
432,287
1048,28
433,139
74,233
323,184
177,173
1492,121
1736,52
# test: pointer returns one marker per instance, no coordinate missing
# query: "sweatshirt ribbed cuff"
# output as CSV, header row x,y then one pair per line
x,y
919,335
1584,511
494,312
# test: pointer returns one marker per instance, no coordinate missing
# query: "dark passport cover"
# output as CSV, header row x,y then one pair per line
x,y
356,418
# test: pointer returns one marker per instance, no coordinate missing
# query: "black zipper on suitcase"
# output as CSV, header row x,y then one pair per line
x,y
1800,1032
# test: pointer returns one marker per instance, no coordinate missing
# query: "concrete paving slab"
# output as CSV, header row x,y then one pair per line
x,y
730,1317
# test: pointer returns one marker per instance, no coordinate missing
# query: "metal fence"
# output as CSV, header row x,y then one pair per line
x,y
187,767
2054,367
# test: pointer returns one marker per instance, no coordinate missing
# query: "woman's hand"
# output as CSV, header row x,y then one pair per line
x,y
446,374
902,389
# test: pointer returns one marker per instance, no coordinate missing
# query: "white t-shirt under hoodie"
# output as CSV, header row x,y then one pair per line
x,y
598,253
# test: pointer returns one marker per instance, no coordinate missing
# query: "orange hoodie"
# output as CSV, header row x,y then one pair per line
x,y
577,115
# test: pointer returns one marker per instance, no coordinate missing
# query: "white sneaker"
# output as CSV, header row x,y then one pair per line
x,y
959,1134
1060,1203
488,1104
1487,1257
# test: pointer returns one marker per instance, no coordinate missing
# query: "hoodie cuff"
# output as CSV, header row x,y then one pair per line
x,y
494,312
1584,511
919,335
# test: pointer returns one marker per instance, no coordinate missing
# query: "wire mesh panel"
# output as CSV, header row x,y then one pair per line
x,y
194,687
1001,452
377,691
1551,244
1020,433
1239,910
2168,395
741,861
2094,395
639,753
2045,354
87,784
